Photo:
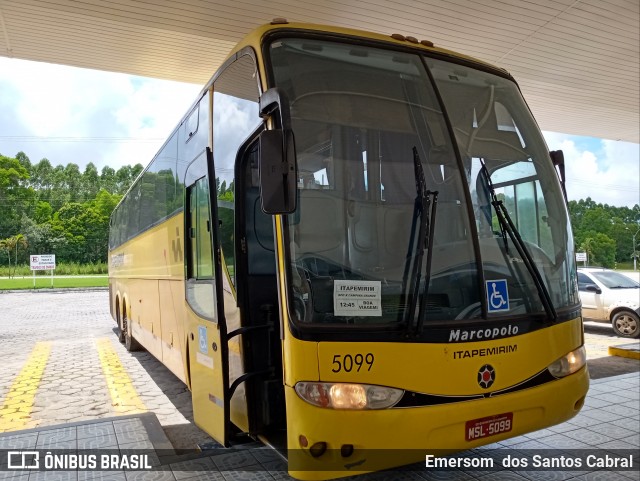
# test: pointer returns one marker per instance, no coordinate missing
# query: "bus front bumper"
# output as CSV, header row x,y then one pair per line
x,y
327,443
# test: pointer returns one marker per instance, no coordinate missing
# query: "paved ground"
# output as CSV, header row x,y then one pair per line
x,y
60,363
60,351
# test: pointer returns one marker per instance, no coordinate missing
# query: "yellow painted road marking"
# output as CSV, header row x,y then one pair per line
x,y
124,397
15,411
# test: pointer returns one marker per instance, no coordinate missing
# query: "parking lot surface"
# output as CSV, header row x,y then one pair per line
x,y
65,377
60,349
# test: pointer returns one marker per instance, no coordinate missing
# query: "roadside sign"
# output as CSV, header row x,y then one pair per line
x,y
46,262
581,257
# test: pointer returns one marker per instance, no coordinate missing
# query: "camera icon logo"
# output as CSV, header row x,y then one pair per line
x,y
23,460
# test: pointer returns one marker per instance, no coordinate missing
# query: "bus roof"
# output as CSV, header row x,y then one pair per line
x,y
255,37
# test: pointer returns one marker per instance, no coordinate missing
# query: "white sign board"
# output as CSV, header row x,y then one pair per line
x,y
357,298
46,262
581,257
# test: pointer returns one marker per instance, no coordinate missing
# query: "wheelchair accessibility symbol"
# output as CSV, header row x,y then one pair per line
x,y
202,339
497,295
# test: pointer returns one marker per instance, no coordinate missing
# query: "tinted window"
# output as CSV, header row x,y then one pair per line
x,y
235,117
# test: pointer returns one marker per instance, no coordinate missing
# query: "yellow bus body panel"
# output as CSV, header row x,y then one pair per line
x,y
146,275
392,437
432,368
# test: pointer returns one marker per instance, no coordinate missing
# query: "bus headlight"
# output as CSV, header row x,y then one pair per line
x,y
348,396
569,363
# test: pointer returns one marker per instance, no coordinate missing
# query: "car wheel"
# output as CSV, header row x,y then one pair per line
x,y
626,324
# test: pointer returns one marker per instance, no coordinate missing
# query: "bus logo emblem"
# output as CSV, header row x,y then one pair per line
x,y
486,376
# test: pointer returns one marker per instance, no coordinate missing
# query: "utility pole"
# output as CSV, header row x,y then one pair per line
x,y
635,252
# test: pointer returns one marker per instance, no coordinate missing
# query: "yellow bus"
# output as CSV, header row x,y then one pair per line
x,y
356,248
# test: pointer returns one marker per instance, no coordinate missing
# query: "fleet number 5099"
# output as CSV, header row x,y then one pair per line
x,y
349,363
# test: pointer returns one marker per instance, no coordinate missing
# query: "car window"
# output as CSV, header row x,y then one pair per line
x,y
615,280
583,281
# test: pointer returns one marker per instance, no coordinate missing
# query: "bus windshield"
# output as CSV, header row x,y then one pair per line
x,y
394,219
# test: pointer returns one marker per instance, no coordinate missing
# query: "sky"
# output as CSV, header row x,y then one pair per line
x,y
69,114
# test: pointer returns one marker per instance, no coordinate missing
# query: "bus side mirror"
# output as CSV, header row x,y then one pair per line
x,y
278,173
277,165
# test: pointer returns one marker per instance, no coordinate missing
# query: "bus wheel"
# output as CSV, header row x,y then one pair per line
x,y
120,328
626,324
130,342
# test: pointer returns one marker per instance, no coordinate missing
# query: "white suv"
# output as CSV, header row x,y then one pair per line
x,y
609,296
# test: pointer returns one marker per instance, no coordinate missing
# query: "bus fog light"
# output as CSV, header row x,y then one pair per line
x,y
318,449
346,450
348,396
569,363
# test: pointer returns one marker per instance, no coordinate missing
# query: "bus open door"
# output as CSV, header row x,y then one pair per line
x,y
208,359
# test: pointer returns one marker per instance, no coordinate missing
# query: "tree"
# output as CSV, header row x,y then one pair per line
x,y
11,246
108,179
105,202
73,179
600,248
41,177
59,193
588,217
125,177
24,161
41,237
43,212
15,195
90,181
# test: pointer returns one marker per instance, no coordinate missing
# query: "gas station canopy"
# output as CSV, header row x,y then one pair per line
x,y
577,61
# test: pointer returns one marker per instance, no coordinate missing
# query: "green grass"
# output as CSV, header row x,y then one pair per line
x,y
44,282
62,269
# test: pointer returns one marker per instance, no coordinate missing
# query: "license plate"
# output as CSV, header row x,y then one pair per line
x,y
489,426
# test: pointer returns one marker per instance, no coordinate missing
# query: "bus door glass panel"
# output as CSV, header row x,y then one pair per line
x,y
207,366
358,113
235,118
493,127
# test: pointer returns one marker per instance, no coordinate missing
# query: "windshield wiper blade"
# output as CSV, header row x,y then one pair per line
x,y
508,227
424,212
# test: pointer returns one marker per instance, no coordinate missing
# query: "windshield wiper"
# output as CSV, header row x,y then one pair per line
x,y
507,227
424,214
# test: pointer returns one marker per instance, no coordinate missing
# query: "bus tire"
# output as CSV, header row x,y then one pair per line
x,y
626,324
119,320
130,342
